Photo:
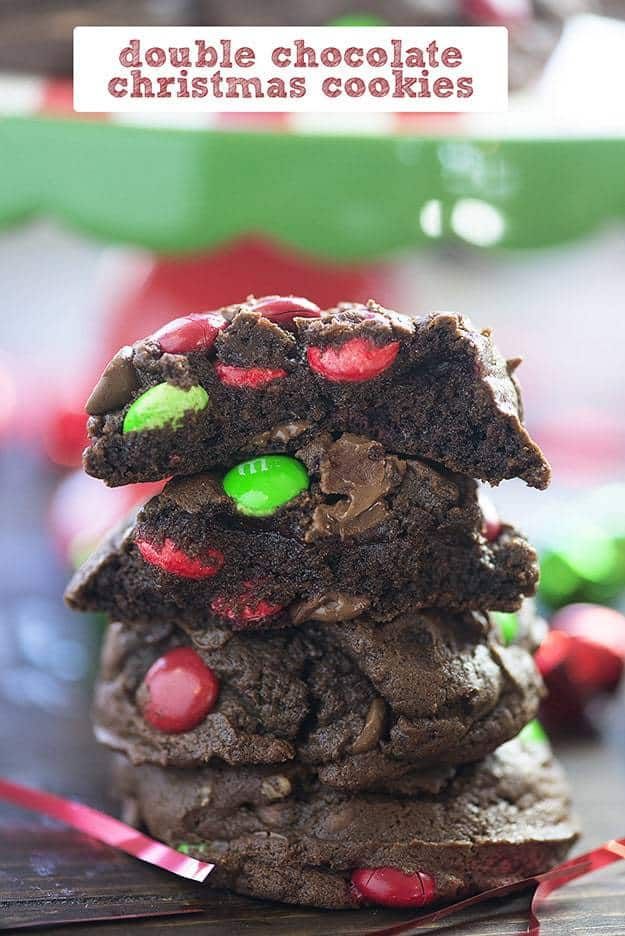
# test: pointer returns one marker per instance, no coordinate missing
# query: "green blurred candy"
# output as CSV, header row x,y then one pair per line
x,y
593,555
590,567
164,405
559,582
508,625
534,733
359,19
261,485
187,847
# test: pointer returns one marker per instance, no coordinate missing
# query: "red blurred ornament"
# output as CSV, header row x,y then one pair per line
x,y
252,377
82,510
170,558
596,623
283,309
56,98
178,692
65,436
150,291
581,658
246,608
355,360
390,887
195,332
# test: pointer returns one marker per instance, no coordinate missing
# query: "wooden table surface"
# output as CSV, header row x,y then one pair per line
x,y
62,882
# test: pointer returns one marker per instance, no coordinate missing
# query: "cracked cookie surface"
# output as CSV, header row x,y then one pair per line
x,y
433,387
372,532
363,705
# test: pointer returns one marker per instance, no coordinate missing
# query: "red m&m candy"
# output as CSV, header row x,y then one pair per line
x,y
283,309
252,377
195,332
246,608
170,558
390,887
355,360
178,691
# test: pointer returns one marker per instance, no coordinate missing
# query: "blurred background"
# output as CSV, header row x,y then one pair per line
x,y
109,229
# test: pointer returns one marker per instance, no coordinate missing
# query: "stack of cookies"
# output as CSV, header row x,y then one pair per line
x,y
318,673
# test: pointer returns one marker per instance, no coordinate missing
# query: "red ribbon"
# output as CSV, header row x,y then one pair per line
x,y
106,829
113,832
548,882
600,857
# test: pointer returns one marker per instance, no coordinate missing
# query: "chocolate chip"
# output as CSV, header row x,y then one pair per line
x,y
358,469
329,608
340,818
274,815
205,793
116,385
372,729
281,434
276,788
210,639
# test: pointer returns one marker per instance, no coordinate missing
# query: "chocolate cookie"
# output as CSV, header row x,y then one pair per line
x,y
281,835
362,704
343,528
209,389
37,37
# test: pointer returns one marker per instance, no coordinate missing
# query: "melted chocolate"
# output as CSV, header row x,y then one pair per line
x,y
116,386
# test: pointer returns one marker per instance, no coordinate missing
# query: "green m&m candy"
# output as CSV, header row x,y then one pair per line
x,y
534,733
358,19
508,625
261,485
164,405
187,847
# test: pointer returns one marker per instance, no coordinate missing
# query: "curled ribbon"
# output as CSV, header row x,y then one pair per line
x,y
600,857
545,884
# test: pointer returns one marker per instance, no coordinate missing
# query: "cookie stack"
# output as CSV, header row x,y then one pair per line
x,y
318,672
